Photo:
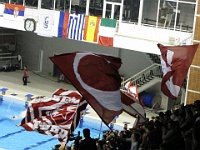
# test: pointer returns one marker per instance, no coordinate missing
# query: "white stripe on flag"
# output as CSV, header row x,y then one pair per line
x,y
106,31
56,22
12,18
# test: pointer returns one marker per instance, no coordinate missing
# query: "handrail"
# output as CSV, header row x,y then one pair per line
x,y
143,71
149,72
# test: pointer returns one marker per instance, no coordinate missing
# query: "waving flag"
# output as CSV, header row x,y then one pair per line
x,y
14,12
97,79
75,26
107,31
63,24
175,61
57,116
133,108
91,28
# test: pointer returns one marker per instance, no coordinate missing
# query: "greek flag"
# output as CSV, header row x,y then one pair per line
x,y
75,26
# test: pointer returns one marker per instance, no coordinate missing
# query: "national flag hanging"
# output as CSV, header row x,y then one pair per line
x,y
127,85
91,28
107,31
96,77
133,108
175,62
63,24
57,116
46,22
132,89
14,12
75,26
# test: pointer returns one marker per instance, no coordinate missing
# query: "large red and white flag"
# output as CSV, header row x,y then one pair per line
x,y
97,79
133,108
175,61
57,116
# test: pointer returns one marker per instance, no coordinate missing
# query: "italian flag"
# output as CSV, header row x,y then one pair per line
x,y
107,32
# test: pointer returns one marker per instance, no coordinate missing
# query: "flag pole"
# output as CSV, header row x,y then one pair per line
x,y
138,113
70,6
100,128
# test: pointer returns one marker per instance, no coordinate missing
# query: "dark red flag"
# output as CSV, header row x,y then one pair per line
x,y
175,61
97,79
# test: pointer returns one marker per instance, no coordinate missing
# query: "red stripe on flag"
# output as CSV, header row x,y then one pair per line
x,y
105,41
65,25
14,6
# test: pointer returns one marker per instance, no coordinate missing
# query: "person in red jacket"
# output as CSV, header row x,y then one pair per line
x,y
25,75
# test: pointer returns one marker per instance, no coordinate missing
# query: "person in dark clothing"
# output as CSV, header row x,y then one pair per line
x,y
88,143
102,142
196,135
25,75
77,140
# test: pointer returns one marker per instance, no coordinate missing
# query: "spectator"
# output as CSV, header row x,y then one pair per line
x,y
88,143
102,142
134,141
196,136
76,141
25,75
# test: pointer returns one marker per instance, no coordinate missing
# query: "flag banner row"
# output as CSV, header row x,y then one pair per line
x,y
85,28
67,25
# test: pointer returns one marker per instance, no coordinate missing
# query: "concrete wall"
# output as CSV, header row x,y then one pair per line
x,y
30,46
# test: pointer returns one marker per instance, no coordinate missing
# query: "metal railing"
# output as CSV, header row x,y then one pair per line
x,y
144,76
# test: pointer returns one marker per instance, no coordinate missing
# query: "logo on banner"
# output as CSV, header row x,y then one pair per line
x,y
16,12
46,22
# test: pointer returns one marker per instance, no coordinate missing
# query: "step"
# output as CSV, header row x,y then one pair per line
x,y
150,84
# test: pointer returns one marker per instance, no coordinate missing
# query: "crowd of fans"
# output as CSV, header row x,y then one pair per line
x,y
177,129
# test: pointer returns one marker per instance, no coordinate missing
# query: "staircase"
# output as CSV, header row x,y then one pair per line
x,y
146,78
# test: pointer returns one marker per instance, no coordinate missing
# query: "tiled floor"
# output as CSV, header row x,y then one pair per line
x,y
44,85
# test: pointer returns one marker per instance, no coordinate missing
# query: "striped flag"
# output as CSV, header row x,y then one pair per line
x,y
57,116
14,12
91,28
107,31
75,26
63,24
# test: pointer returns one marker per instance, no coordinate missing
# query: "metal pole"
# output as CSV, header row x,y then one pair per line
x,y
100,129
